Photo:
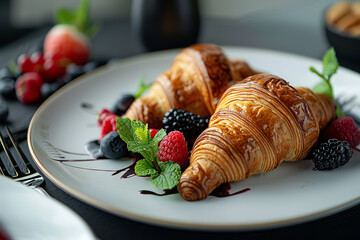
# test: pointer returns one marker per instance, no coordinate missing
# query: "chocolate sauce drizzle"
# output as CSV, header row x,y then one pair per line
x,y
220,192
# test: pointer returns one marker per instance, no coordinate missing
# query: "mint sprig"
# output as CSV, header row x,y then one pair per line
x,y
78,18
142,88
164,175
330,66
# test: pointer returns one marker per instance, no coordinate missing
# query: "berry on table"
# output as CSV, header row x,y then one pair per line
x,y
28,87
112,146
173,147
53,69
24,63
189,124
343,129
7,88
332,154
6,73
47,89
122,104
37,60
67,44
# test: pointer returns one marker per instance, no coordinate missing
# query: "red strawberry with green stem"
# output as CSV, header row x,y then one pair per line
x,y
68,41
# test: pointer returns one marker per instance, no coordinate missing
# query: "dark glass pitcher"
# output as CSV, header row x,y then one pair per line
x,y
163,24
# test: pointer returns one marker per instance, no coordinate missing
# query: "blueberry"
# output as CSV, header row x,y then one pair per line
x,y
73,71
4,111
122,104
47,89
112,146
7,88
6,73
113,60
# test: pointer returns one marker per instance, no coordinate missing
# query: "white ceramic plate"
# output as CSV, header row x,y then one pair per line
x,y
290,194
25,214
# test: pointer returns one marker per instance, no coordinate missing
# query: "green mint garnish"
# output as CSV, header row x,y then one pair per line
x,y
169,175
136,135
78,18
330,66
142,88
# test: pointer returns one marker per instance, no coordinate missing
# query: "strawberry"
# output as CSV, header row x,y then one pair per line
x,y
68,45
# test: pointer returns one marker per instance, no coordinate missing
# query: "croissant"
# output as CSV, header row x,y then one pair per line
x,y
195,82
258,123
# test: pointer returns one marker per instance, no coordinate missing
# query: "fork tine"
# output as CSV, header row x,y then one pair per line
x,y
21,154
11,161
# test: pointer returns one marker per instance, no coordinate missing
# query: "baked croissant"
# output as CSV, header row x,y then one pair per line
x,y
258,123
195,82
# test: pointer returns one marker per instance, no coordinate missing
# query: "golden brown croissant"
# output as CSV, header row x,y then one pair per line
x,y
258,123
195,82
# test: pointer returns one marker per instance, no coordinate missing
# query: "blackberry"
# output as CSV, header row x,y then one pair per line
x,y
189,124
332,154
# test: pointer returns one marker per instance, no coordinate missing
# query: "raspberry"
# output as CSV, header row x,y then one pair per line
x,y
343,129
153,132
173,148
102,115
332,154
187,123
53,69
108,125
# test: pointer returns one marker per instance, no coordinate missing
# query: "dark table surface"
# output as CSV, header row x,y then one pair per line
x,y
296,29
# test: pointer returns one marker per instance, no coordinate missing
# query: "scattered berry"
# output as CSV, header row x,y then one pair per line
x,y
24,63
4,111
102,115
173,148
90,66
6,73
28,87
122,104
37,60
189,124
47,89
332,154
53,69
67,44
108,125
343,129
74,71
7,88
153,132
112,146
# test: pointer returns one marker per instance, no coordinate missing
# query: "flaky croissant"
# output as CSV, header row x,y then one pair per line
x,y
195,82
258,123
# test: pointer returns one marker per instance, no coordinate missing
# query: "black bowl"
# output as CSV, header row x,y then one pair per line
x,y
347,47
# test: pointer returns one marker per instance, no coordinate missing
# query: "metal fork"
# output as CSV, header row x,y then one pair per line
x,y
20,168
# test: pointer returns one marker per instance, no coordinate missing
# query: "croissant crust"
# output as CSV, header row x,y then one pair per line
x,y
195,82
258,123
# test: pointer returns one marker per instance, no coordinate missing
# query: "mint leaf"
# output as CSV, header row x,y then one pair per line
x,y
145,168
142,88
312,69
338,111
140,131
323,88
330,63
124,129
169,176
159,136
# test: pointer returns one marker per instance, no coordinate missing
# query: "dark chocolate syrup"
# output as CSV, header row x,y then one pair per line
x,y
88,107
129,171
221,191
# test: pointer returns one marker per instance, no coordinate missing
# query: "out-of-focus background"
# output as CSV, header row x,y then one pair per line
x,y
274,18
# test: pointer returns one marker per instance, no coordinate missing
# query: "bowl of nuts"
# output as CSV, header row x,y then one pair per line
x,y
342,28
